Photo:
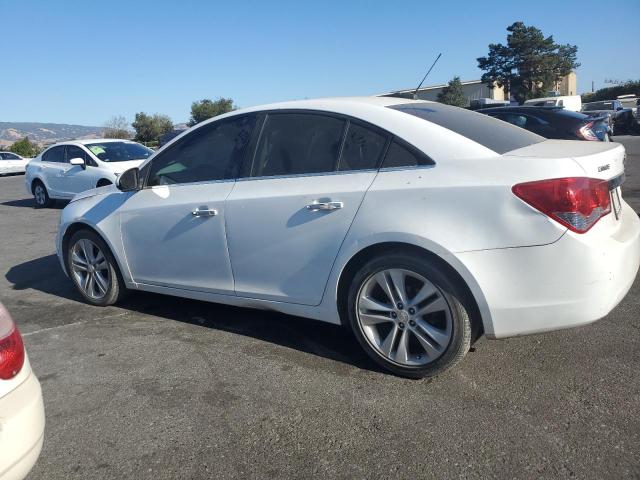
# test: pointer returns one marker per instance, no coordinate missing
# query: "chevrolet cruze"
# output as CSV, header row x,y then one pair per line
x,y
418,226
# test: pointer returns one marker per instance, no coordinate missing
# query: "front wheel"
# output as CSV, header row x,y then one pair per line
x,y
93,269
408,315
40,195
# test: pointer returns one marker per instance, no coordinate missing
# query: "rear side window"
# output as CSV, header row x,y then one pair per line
x,y
212,152
362,148
55,155
403,155
488,132
298,143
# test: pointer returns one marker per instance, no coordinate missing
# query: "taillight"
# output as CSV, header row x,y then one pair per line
x,y
575,202
11,347
586,132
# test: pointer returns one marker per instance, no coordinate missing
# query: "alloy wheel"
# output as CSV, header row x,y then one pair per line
x,y
90,269
404,317
39,194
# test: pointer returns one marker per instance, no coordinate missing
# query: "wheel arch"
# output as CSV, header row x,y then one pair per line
x,y
103,182
365,254
75,227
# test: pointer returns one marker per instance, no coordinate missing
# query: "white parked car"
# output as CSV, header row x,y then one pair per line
x,y
21,406
417,225
66,169
12,163
569,102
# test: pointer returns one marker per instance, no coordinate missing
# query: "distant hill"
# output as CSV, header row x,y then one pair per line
x,y
44,133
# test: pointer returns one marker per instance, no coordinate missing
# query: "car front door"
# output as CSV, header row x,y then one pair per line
x,y
173,230
74,179
287,219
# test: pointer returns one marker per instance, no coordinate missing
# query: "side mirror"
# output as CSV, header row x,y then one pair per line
x,y
620,108
129,180
78,161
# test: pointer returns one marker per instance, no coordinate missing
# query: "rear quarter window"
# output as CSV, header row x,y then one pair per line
x,y
489,132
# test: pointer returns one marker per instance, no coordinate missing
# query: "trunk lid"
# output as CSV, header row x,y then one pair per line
x,y
604,160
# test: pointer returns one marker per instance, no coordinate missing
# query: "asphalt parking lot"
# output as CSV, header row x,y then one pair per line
x,y
162,387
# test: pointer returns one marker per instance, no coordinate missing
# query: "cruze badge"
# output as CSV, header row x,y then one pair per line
x,y
602,168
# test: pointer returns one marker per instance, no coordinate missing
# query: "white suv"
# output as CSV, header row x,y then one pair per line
x,y
66,169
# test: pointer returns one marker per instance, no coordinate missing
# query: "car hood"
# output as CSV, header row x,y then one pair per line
x,y
93,192
119,167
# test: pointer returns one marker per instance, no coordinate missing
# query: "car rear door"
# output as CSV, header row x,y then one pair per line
x,y
173,230
288,217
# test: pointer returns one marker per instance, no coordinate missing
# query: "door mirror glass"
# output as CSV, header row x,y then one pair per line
x,y
129,181
78,161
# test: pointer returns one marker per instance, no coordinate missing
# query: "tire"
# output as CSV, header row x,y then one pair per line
x,y
93,269
399,338
103,182
40,195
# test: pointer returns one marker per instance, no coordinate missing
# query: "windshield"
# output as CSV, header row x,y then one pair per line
x,y
590,107
119,151
496,135
629,102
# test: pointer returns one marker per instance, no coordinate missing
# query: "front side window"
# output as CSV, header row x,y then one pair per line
x,y
298,143
119,151
211,152
54,155
362,148
482,129
74,151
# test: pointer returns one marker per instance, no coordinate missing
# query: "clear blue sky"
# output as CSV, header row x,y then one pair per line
x,y
85,61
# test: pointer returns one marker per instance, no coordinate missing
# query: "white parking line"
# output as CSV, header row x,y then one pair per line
x,y
70,324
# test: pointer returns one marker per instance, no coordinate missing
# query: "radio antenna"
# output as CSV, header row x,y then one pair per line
x,y
415,93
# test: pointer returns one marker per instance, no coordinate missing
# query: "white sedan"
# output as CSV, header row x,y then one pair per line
x,y
417,225
12,163
68,168
21,406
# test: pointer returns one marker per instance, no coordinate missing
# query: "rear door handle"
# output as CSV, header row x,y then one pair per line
x,y
324,206
205,212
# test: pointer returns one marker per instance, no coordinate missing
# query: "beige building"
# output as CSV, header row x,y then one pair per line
x,y
477,89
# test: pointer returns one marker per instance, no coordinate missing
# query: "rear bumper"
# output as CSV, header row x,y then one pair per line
x,y
21,429
575,281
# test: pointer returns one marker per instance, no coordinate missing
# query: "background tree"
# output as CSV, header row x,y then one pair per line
x,y
25,148
453,94
149,127
206,108
116,127
609,93
529,64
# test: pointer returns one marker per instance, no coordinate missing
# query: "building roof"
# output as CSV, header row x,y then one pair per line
x,y
431,87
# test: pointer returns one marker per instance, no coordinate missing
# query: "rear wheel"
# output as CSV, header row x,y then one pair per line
x,y
93,269
408,316
40,195
103,182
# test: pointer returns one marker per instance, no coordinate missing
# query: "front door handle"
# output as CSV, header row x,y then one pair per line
x,y
205,212
324,206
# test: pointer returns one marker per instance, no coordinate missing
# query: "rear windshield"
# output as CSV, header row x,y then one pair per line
x,y
593,106
496,135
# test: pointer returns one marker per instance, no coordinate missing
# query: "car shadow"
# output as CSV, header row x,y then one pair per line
x,y
29,203
305,335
